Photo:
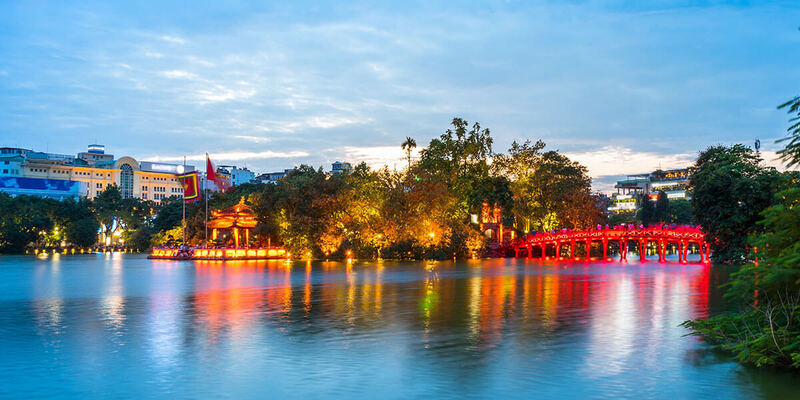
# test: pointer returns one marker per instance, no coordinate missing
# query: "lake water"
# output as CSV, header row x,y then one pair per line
x,y
122,327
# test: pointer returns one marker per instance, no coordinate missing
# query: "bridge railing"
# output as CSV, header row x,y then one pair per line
x,y
663,235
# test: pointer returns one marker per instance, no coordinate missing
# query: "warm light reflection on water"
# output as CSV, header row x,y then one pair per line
x,y
122,326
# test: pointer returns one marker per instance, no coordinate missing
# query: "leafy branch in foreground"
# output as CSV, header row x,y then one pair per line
x,y
768,334
791,152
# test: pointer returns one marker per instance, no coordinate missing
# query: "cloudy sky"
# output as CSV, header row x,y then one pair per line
x,y
621,88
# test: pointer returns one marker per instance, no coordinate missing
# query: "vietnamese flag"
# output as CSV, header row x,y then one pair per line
x,y
191,186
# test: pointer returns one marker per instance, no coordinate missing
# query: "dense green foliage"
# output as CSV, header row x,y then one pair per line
x,y
730,188
30,220
662,210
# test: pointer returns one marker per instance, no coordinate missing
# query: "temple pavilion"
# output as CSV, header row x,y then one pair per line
x,y
239,219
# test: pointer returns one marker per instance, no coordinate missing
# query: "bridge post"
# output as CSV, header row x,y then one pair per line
x,y
544,248
681,256
572,249
558,250
686,252
588,249
622,250
530,250
702,253
660,250
642,250
605,249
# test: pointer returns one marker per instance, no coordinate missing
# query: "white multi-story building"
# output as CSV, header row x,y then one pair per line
x,y
239,176
675,183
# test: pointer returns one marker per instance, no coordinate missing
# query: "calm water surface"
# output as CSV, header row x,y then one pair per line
x,y
121,326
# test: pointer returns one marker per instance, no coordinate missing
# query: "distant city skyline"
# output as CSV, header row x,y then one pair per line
x,y
620,88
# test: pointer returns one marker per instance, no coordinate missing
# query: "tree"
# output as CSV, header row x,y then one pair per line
x,y
661,211
520,162
554,194
730,188
680,212
107,207
459,154
408,146
169,215
791,152
647,211
83,232
22,222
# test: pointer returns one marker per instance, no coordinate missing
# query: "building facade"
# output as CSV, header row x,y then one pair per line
x,y
675,183
340,167
93,171
239,176
272,177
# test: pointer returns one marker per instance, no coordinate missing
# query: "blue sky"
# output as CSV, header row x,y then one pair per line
x,y
621,88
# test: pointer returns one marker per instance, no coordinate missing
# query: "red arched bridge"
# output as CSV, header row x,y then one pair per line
x,y
659,240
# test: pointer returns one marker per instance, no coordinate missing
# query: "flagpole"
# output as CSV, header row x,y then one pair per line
x,y
183,204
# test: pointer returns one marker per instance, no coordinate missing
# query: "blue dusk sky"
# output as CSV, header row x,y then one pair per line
x,y
623,87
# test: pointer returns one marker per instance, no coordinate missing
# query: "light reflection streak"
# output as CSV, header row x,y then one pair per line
x,y
164,319
112,307
48,305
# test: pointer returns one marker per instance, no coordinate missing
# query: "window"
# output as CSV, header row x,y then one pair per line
x,y
126,181
99,185
5,171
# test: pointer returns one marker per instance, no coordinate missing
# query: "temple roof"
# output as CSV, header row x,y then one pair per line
x,y
238,216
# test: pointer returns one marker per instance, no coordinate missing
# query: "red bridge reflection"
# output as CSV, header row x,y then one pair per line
x,y
663,239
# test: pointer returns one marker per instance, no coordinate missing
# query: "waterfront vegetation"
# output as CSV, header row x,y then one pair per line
x,y
752,215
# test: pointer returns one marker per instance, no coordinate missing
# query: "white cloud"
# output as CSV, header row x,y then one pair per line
x,y
615,160
254,139
332,121
379,156
219,93
173,39
178,74
233,156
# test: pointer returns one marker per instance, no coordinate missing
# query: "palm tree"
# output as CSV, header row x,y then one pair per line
x,y
409,145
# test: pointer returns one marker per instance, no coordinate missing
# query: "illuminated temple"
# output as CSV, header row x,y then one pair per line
x,y
237,219
234,224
